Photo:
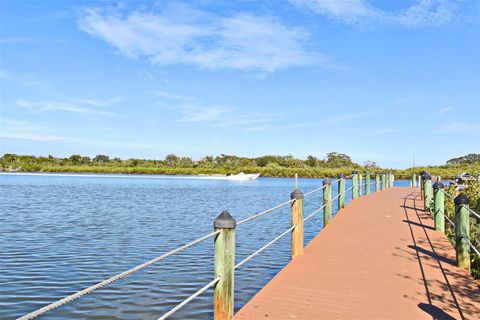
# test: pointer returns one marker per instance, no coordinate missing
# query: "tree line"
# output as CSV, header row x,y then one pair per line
x,y
269,165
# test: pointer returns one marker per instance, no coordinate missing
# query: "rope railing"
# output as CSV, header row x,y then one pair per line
x,y
471,245
313,191
190,298
314,212
265,212
119,276
471,211
238,265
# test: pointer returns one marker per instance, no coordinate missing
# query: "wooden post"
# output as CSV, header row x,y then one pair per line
x,y
367,182
462,231
414,180
384,179
478,177
341,191
439,206
427,192
419,183
224,266
360,185
377,182
355,184
392,179
297,220
421,180
327,201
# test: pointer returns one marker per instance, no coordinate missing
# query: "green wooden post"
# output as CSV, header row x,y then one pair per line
x,y
384,179
439,206
478,177
462,231
327,201
355,184
360,185
427,192
297,221
414,180
224,266
341,191
367,182
377,182
392,179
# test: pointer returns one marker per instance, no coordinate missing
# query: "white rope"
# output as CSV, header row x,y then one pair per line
x,y
238,265
314,212
265,212
448,195
471,245
314,190
122,275
193,296
336,197
471,211
450,221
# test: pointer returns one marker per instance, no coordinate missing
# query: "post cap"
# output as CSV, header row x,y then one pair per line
x,y
355,172
367,172
377,173
341,176
327,182
224,221
296,194
438,185
423,174
461,199
427,176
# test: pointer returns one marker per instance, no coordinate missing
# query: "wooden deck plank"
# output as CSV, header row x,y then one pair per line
x,y
379,259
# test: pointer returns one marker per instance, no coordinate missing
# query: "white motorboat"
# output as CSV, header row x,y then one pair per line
x,y
243,176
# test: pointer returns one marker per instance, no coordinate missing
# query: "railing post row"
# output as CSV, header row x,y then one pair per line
x,y
355,184
462,231
439,206
341,191
427,192
224,266
367,182
297,221
377,182
327,202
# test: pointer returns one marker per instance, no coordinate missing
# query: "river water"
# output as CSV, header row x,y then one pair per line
x,y
60,234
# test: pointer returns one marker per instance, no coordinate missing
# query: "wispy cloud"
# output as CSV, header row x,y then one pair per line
x,y
421,13
205,114
52,105
180,34
459,127
26,130
444,110
25,80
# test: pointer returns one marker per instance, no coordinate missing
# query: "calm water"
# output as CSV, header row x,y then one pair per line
x,y
61,234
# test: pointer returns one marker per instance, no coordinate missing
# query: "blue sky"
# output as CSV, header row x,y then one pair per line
x,y
377,80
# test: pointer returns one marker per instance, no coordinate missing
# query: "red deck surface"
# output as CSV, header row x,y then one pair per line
x,y
379,259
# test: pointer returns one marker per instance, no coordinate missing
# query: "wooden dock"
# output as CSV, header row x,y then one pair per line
x,y
380,259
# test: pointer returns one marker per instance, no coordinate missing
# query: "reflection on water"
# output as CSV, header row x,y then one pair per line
x,y
61,234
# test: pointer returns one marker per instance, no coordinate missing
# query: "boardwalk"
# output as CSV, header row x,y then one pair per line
x,y
380,259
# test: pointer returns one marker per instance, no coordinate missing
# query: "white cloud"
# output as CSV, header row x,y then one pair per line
x,y
53,105
182,35
204,114
460,127
422,13
444,110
